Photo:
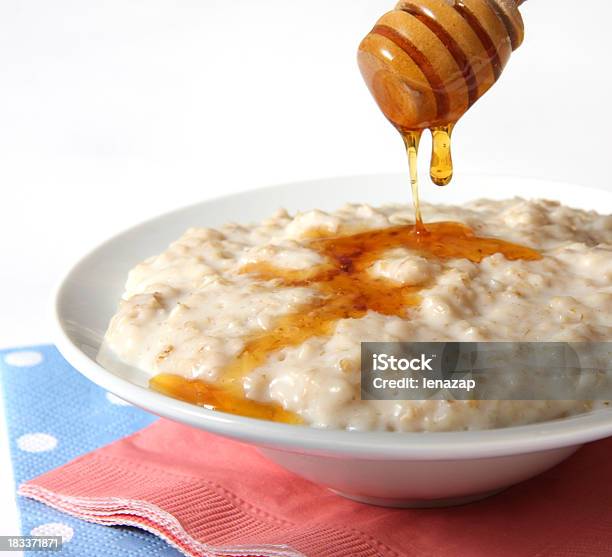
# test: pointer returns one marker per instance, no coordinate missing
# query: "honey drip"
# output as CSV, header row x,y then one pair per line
x,y
346,289
441,168
411,141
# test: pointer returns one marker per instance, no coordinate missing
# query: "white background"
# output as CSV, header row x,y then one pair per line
x,y
114,111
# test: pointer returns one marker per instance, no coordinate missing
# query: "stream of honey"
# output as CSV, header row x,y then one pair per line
x,y
346,290
441,168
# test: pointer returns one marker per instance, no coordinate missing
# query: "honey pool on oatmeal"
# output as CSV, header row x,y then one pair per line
x,y
266,320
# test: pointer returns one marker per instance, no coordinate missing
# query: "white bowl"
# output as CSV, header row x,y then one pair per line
x,y
394,469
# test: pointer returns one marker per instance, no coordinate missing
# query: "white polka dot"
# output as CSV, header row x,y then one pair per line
x,y
54,529
23,358
37,442
114,399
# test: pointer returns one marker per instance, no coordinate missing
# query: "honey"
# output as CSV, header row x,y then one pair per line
x,y
345,289
441,169
441,166
219,398
426,63
411,141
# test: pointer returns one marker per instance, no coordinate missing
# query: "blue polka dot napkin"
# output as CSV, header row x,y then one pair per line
x,y
53,415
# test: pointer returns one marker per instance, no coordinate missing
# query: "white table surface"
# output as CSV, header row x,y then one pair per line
x,y
112,112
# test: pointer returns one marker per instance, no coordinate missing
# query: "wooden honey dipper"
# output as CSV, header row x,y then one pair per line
x,y
427,61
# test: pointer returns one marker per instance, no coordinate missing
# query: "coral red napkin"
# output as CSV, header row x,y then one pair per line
x,y
210,496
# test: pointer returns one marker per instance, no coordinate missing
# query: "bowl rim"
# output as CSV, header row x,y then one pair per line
x,y
374,445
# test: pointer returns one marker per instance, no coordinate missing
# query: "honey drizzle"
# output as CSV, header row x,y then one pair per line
x,y
411,141
441,167
345,289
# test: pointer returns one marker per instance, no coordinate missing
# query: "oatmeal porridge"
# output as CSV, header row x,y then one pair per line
x,y
266,320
